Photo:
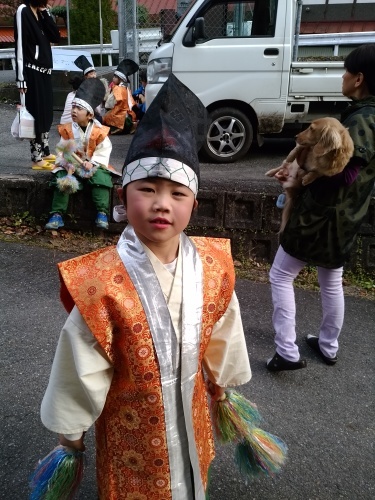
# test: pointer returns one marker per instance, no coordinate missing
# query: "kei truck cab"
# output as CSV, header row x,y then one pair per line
x,y
254,71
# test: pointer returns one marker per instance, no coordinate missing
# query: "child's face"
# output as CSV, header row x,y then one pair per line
x,y
116,80
159,210
91,74
81,115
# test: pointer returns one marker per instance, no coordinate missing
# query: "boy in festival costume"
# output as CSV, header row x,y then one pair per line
x,y
94,147
120,115
146,317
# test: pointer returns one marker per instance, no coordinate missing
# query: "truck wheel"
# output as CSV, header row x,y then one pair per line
x,y
229,136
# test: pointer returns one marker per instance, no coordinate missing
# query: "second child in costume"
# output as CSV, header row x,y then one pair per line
x,y
94,147
151,321
120,116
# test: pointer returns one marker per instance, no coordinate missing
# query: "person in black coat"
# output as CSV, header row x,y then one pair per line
x,y
34,31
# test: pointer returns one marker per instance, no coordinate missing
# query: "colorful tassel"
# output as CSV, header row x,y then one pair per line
x,y
58,475
235,420
233,415
68,184
262,452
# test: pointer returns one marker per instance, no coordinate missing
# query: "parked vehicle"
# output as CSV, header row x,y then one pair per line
x,y
242,60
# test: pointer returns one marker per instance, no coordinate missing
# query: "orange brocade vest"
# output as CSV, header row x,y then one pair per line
x,y
132,455
98,134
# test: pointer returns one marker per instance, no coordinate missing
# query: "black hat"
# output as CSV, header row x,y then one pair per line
x,y
89,94
168,137
126,68
84,64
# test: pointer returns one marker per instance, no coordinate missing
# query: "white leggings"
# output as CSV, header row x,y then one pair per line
x,y
284,270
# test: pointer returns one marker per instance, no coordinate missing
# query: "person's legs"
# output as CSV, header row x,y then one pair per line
x,y
100,197
36,149
45,144
101,184
332,296
284,270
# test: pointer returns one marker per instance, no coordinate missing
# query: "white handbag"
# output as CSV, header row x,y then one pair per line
x,y
23,126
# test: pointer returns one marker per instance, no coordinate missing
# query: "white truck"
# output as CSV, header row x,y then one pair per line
x,y
243,60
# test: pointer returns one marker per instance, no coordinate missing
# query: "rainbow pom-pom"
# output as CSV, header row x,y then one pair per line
x,y
236,420
58,475
68,184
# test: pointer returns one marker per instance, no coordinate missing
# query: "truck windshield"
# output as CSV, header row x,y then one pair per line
x,y
168,36
238,18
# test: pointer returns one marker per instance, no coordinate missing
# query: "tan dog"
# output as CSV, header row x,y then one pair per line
x,y
324,149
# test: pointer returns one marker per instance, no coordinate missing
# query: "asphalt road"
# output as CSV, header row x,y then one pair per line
x,y
325,414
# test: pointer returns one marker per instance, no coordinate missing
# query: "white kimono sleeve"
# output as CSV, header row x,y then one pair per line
x,y
80,379
102,152
226,360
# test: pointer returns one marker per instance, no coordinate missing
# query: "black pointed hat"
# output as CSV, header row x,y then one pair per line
x,y
126,68
168,137
84,64
90,94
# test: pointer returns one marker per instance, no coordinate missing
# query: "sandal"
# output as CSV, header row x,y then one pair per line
x,y
43,165
50,158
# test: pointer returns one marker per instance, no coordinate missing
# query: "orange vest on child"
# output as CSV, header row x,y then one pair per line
x,y
132,454
116,116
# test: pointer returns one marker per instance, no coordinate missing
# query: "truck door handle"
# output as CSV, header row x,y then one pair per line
x,y
271,52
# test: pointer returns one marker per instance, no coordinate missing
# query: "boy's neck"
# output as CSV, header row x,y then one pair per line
x,y
84,125
165,251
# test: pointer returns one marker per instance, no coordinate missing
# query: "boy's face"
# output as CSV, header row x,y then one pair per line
x,y
91,74
159,210
116,80
81,115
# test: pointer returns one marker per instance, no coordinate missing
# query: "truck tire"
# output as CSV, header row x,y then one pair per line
x,y
229,136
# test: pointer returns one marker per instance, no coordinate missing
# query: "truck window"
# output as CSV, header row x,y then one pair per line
x,y
239,19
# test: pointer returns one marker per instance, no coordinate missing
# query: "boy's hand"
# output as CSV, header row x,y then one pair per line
x,y
78,444
217,393
87,165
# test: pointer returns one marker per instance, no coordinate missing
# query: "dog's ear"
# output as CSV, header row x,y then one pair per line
x,y
330,139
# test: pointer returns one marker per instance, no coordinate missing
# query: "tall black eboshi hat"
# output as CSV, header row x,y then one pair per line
x,y
126,68
89,94
84,64
168,137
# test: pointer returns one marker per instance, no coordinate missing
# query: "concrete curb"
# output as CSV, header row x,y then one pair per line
x,y
249,217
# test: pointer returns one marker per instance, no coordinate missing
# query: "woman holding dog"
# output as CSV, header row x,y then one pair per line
x,y
324,224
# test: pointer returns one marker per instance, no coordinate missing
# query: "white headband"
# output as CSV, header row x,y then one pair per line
x,y
83,104
121,75
166,168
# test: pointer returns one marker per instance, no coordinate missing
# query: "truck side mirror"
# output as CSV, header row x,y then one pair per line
x,y
194,33
199,29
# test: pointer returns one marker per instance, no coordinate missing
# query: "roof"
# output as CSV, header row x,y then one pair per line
x,y
337,27
7,36
153,6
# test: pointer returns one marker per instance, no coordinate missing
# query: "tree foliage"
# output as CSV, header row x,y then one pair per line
x,y
60,11
8,9
84,21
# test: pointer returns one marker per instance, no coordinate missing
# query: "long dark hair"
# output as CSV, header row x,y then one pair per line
x,y
362,60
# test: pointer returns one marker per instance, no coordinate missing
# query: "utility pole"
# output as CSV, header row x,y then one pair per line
x,y
121,29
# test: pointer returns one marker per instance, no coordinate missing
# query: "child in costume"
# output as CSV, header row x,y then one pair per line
x,y
94,147
139,96
89,71
147,319
66,117
324,224
120,116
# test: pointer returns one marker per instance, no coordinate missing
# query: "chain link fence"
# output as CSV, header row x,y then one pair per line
x,y
145,25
